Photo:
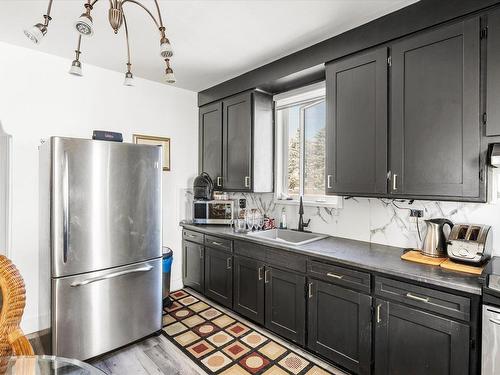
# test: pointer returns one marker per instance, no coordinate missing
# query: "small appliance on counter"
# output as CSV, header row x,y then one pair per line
x,y
203,187
213,212
470,243
435,239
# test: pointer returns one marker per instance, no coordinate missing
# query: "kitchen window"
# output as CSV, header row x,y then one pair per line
x,y
300,146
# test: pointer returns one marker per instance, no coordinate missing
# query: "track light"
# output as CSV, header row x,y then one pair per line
x,y
84,25
36,32
76,68
76,65
129,77
169,73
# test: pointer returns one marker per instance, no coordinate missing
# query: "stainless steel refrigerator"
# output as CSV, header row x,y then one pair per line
x,y
100,245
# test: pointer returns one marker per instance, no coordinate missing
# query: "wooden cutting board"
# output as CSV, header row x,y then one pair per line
x,y
450,265
417,257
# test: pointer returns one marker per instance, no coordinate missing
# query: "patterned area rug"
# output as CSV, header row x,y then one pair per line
x,y
221,344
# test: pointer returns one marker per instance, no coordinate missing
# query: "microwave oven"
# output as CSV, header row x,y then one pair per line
x,y
213,212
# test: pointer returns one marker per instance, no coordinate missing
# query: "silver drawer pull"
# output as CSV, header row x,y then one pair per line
x,y
394,182
111,276
334,275
260,272
247,181
266,276
217,243
309,290
190,236
378,313
329,181
417,298
228,263
219,181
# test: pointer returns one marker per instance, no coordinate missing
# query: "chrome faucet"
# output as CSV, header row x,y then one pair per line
x,y
302,225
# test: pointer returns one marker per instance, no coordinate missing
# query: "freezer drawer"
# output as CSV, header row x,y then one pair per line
x,y
490,364
96,312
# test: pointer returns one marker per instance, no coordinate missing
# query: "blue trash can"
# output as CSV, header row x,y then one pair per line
x,y
166,268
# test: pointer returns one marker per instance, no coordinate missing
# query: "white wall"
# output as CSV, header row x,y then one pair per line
x,y
38,99
379,220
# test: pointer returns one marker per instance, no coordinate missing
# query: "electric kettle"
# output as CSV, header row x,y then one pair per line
x,y
435,239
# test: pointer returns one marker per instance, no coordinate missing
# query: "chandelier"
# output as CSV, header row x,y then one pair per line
x,y
85,28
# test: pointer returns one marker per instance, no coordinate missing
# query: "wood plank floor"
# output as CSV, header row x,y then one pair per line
x,y
153,356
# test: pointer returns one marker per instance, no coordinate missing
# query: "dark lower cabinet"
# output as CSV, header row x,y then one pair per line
x,y
413,342
285,305
249,288
193,265
219,276
340,325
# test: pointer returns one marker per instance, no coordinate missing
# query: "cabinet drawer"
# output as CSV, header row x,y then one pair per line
x,y
250,250
275,257
340,275
433,300
218,243
193,236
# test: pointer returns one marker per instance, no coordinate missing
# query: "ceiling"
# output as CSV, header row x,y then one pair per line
x,y
213,40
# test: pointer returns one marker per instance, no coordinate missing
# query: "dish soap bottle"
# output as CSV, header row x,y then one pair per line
x,y
283,219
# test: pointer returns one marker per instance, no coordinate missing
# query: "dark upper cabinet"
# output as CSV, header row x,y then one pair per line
x,y
493,74
219,276
412,342
356,95
340,325
193,265
228,152
285,306
249,288
210,129
435,117
237,136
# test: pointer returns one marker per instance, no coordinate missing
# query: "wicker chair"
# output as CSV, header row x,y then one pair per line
x,y
12,339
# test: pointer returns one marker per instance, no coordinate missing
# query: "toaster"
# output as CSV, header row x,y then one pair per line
x,y
470,243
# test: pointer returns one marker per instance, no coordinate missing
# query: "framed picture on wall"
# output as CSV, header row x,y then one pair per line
x,y
156,141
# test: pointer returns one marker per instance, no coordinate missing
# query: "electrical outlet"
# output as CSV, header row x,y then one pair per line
x,y
416,213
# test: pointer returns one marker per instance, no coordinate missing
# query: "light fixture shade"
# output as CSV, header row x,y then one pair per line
x,y
166,50
35,33
84,25
76,68
129,79
169,77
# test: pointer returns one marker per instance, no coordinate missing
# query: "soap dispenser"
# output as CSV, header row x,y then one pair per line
x,y
283,224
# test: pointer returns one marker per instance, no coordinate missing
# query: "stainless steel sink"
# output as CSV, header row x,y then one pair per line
x,y
289,237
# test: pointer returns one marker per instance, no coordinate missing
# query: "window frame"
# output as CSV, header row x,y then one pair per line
x,y
305,97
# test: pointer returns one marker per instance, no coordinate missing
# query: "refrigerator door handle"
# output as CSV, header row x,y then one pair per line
x,y
65,188
111,276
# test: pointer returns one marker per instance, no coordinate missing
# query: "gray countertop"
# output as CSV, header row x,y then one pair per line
x,y
365,255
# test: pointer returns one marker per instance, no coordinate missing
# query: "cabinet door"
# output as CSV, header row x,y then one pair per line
x,y
237,135
340,325
493,74
211,142
412,342
219,276
356,97
193,270
435,128
249,288
286,304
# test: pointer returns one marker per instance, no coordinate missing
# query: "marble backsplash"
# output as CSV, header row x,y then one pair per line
x,y
377,220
